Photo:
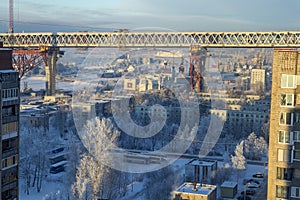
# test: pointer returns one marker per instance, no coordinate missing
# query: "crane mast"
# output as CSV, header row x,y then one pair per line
x,y
11,17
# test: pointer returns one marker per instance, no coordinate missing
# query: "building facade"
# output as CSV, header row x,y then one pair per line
x,y
10,104
258,80
284,145
200,171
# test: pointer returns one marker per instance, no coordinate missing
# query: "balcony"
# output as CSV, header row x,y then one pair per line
x,y
10,185
9,135
9,153
10,84
8,119
10,101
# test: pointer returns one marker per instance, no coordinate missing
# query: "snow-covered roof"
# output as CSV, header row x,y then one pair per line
x,y
97,101
110,99
203,189
202,162
229,184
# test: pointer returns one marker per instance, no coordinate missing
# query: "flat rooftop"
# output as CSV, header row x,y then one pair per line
x,y
202,162
201,189
229,184
98,101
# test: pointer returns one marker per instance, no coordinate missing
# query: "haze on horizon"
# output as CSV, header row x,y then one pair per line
x,y
192,15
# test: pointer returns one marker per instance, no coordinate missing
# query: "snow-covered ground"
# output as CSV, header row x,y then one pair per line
x,y
54,186
38,83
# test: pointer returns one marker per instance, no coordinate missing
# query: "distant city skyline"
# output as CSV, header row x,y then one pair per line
x,y
192,15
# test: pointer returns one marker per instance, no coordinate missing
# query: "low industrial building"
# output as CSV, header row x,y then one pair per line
x,y
229,189
200,171
195,191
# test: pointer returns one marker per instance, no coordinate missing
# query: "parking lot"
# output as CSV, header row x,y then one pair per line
x,y
256,188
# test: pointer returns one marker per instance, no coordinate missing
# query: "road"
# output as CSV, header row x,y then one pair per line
x,y
262,192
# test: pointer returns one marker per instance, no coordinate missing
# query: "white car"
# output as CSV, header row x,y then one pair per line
x,y
253,185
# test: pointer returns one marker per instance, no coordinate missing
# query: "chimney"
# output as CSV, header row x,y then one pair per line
x,y
195,186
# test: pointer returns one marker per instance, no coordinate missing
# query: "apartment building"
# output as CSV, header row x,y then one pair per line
x,y
9,109
258,80
284,145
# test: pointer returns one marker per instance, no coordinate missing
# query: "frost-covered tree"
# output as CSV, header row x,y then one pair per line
x,y
73,157
34,165
41,147
261,148
238,160
92,176
26,162
255,148
249,151
89,174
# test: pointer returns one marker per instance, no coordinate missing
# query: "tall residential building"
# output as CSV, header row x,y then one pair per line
x,y
9,122
258,79
284,145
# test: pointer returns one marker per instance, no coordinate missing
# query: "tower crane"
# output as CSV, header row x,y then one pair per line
x,y
11,17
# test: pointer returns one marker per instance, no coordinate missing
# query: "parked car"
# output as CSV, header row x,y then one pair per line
x,y
258,175
248,192
252,185
246,181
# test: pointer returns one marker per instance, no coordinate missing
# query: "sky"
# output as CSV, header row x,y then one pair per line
x,y
151,15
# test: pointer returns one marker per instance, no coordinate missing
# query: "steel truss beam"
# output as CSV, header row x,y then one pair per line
x,y
153,39
25,60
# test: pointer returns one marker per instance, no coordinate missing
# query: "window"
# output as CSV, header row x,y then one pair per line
x,y
298,99
4,163
283,155
284,173
287,81
295,192
297,117
296,173
286,118
298,80
6,145
129,85
284,137
287,100
7,111
14,160
296,136
296,154
282,191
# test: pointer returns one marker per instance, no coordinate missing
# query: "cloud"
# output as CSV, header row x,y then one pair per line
x,y
192,15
